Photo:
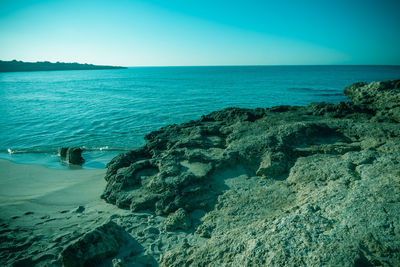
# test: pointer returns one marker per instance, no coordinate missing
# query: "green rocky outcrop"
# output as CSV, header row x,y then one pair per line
x,y
283,186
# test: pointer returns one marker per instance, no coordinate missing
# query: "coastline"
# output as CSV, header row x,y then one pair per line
x,y
287,185
20,66
94,158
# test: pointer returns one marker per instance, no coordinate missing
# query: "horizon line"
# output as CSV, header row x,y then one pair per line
x,y
261,65
216,65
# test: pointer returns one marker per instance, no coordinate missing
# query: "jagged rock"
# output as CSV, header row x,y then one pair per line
x,y
273,165
332,210
177,164
293,186
95,246
379,94
382,97
72,155
178,220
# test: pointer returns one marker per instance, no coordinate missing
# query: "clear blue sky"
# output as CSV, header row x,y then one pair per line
x,y
217,32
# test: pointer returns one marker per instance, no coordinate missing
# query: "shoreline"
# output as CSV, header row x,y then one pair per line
x,y
33,186
287,185
94,159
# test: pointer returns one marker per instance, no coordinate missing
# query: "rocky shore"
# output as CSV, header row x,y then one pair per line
x,y
283,186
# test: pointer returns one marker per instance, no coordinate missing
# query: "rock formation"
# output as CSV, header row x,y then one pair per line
x,y
178,220
95,246
72,155
293,186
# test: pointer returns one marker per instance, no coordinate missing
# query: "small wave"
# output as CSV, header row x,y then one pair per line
x,y
106,148
26,151
302,89
308,89
55,151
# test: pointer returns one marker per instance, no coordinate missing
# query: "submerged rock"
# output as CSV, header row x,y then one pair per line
x,y
293,186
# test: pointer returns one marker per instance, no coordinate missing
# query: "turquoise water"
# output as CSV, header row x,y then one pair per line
x,y
109,111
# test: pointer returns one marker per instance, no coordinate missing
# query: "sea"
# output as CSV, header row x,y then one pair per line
x,y
108,112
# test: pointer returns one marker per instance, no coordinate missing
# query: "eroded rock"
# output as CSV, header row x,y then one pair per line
x,y
178,220
293,186
95,246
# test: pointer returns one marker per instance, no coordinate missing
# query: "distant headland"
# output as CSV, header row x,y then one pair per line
x,y
14,66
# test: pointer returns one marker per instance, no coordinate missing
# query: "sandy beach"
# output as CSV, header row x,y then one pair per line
x,y
40,207
39,191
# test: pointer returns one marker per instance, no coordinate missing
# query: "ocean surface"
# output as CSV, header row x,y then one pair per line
x,y
109,111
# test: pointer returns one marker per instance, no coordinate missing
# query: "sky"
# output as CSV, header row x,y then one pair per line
x,y
207,32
